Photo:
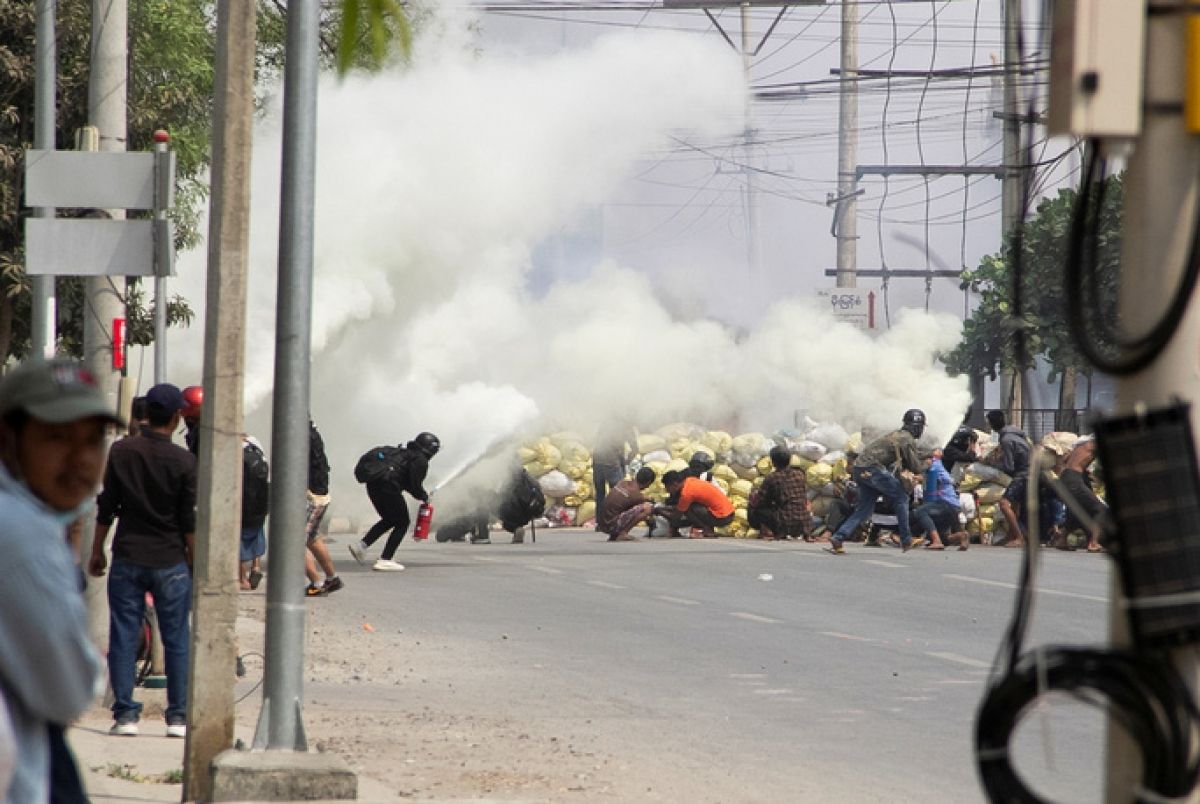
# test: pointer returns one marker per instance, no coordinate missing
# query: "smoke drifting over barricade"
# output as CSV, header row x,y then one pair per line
x,y
434,186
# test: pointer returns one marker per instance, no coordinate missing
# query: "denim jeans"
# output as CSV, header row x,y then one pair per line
x,y
937,515
171,589
875,482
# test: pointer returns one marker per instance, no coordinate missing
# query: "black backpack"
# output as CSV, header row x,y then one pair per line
x,y
529,496
256,485
378,463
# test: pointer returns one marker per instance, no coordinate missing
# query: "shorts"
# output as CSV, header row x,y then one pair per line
x,y
254,543
312,521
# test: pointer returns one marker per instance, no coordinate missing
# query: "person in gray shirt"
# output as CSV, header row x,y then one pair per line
x,y
52,438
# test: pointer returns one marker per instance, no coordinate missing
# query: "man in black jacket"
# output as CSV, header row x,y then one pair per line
x,y
318,503
405,471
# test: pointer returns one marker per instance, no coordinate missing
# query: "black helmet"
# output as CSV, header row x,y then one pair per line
x,y
914,422
701,462
427,443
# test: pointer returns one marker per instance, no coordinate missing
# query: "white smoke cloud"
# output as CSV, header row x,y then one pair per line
x,y
435,184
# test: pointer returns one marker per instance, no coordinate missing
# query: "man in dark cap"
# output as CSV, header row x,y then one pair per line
x,y
52,422
150,487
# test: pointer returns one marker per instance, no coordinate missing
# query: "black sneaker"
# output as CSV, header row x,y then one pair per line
x,y
331,585
314,591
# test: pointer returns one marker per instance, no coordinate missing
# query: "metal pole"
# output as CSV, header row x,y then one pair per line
x,y
752,245
1161,194
847,205
280,725
44,311
161,138
1011,397
219,492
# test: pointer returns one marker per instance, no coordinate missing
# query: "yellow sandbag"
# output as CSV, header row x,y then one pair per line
x,y
547,453
586,511
854,444
741,488
722,484
718,442
724,471
566,437
989,493
990,510
757,482
764,465
818,475
648,442
970,482
526,454
537,469
681,448
677,465
744,472
678,430
583,488
573,452
572,500
576,470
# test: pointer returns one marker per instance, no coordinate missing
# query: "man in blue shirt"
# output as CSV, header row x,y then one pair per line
x,y
937,516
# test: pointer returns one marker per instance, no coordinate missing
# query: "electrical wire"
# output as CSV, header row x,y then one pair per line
x,y
1134,354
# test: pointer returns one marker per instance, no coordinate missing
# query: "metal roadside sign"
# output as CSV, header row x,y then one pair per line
x,y
99,180
851,305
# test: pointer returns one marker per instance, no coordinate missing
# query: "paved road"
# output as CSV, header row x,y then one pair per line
x,y
763,672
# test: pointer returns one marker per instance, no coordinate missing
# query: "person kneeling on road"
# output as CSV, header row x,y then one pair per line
x,y
625,506
701,505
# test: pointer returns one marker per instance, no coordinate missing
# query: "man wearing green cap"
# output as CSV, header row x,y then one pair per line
x,y
52,423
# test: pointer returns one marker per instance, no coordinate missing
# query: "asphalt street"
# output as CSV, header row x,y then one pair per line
x,y
759,671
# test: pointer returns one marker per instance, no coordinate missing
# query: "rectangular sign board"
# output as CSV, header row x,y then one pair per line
x,y
91,179
89,247
851,305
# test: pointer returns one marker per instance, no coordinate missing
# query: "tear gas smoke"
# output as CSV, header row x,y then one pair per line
x,y
435,184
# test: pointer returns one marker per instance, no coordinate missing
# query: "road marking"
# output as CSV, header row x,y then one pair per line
x,y
607,585
1040,591
683,601
877,562
547,570
915,698
484,558
747,675
773,692
757,618
957,659
957,681
851,637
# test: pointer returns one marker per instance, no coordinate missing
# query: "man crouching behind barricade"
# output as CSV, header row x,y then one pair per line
x,y
701,505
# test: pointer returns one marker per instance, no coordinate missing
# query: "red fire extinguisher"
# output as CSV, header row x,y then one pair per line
x,y
424,519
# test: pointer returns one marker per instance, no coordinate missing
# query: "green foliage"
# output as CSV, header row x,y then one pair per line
x,y
988,342
369,29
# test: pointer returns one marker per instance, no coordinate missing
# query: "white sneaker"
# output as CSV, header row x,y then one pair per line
x,y
176,730
359,551
386,565
126,729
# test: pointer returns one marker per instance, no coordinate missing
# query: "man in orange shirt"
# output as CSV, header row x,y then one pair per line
x,y
701,505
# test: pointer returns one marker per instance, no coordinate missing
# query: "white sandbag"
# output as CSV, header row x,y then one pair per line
x,y
833,457
556,484
657,456
811,450
830,436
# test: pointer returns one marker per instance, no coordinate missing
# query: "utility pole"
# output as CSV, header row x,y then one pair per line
x,y
752,245
1012,379
104,296
1160,219
45,93
219,493
846,212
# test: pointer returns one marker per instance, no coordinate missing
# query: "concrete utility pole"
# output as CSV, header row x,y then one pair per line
x,y
219,493
1160,218
104,296
847,201
44,308
1012,380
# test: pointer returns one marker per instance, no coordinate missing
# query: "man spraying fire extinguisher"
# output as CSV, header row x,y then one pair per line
x,y
388,472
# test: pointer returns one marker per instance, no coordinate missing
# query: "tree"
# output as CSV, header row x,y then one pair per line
x,y
171,49
988,341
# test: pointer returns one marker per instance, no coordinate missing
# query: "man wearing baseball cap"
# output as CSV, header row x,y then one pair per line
x,y
52,427
150,488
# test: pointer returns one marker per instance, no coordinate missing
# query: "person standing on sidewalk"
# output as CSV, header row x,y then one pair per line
x,y
256,504
52,423
401,470
318,504
150,485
